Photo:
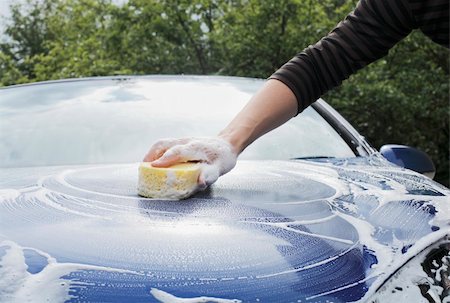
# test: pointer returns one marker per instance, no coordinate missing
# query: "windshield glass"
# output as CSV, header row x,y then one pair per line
x,y
117,120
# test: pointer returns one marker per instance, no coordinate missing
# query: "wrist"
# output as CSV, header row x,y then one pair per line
x,y
236,142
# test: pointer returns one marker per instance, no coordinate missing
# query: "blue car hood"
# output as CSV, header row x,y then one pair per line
x,y
269,231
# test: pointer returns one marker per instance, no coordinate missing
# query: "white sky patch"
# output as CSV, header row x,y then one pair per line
x,y
5,12
4,15
4,7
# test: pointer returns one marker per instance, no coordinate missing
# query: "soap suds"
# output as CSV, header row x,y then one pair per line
x,y
316,264
215,154
56,194
171,179
18,285
165,297
9,194
404,285
285,226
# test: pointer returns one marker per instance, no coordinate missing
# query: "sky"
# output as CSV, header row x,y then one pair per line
x,y
4,6
4,10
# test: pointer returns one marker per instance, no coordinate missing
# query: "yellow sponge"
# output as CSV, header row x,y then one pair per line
x,y
176,182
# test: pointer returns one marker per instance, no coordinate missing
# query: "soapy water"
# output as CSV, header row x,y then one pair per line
x,y
17,284
52,285
265,231
426,274
165,297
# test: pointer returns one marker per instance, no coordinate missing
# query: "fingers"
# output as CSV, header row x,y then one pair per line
x,y
180,154
160,147
169,158
156,151
153,155
215,155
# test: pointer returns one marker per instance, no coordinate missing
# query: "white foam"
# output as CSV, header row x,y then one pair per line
x,y
390,257
17,285
403,286
295,270
215,154
441,217
9,194
285,226
342,287
165,297
43,195
61,178
171,178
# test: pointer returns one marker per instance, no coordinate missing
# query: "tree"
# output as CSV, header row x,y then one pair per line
x,y
256,37
27,34
9,72
82,44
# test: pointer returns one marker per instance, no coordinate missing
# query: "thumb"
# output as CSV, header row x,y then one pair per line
x,y
208,175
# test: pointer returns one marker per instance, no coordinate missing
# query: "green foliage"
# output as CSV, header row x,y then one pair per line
x,y
27,35
402,98
165,36
83,44
255,37
9,73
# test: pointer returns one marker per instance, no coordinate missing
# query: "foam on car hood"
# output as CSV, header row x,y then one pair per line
x,y
268,230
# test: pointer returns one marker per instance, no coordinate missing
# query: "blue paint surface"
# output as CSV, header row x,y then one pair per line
x,y
268,232
35,261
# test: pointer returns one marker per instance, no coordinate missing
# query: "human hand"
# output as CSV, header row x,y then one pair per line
x,y
215,155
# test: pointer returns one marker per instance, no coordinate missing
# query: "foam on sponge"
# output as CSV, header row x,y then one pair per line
x,y
176,182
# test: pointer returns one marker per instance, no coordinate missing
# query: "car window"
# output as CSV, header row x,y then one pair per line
x,y
117,120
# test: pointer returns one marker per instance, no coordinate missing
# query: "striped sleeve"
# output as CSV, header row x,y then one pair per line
x,y
364,36
432,17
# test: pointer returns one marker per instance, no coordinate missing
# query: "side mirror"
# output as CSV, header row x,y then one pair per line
x,y
409,157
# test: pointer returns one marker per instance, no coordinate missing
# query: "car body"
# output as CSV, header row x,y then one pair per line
x,y
311,213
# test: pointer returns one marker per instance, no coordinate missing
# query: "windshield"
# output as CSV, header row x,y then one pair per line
x,y
117,120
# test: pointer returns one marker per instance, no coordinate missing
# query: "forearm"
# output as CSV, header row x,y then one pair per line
x,y
272,106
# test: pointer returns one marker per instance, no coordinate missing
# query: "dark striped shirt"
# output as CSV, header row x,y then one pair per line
x,y
364,36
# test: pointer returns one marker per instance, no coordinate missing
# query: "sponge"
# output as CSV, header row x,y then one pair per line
x,y
176,182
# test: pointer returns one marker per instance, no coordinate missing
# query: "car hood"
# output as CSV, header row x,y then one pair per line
x,y
269,231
